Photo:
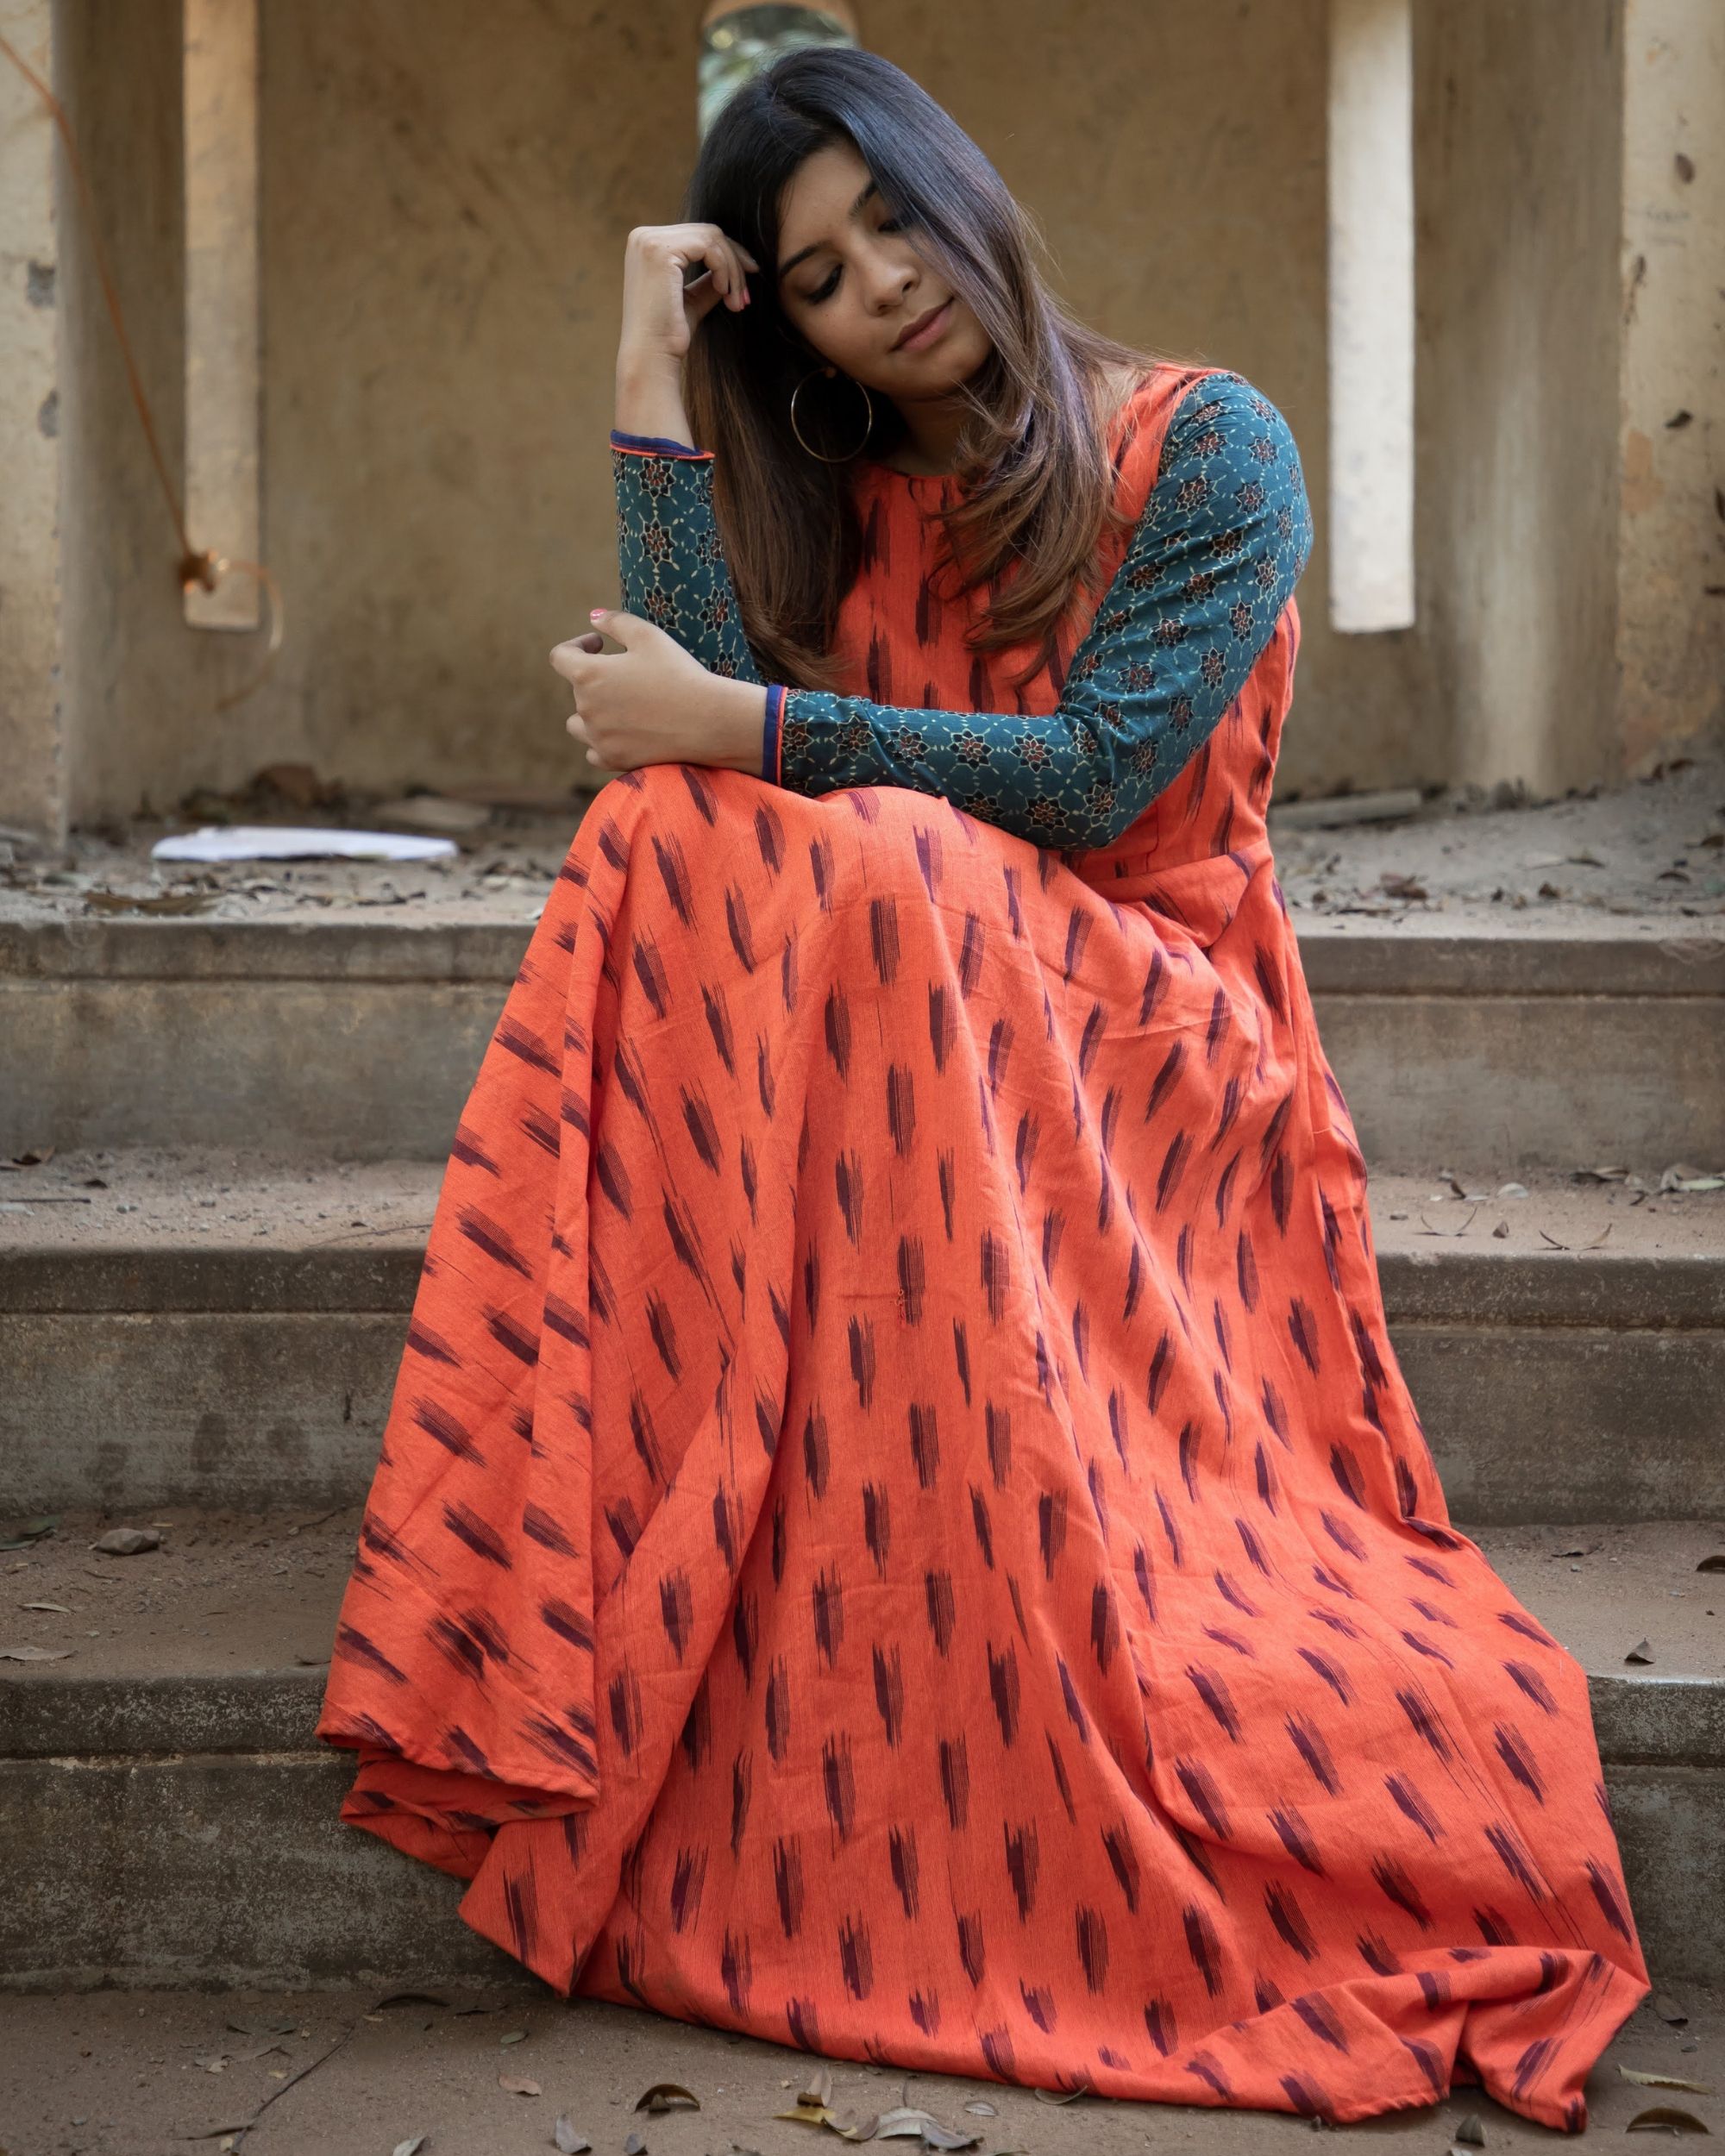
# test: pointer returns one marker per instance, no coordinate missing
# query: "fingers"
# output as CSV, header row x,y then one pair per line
x,y
567,657
628,629
729,263
576,727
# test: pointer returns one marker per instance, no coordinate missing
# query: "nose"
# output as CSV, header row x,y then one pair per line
x,y
891,279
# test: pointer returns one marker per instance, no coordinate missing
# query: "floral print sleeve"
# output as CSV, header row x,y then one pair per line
x,y
670,563
1211,562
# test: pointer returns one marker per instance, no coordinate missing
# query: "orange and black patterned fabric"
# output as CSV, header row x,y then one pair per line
x,y
899,1528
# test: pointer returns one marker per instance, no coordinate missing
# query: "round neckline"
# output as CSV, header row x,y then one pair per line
x,y
911,478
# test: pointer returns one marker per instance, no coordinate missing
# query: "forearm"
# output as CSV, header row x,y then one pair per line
x,y
671,564
649,399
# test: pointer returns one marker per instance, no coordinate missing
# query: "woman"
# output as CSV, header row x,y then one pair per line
x,y
899,1528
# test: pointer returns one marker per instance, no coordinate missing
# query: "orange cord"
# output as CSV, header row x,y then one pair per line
x,y
196,566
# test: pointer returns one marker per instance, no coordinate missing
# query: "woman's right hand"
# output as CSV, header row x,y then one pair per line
x,y
660,311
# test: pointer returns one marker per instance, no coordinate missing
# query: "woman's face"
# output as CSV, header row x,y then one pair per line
x,y
852,283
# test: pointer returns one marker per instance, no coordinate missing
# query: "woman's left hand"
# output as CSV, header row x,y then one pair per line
x,y
653,703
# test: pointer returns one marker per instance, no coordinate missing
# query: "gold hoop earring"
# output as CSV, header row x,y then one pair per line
x,y
869,424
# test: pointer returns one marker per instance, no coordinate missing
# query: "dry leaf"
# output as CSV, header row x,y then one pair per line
x,y
1471,2131
808,2115
30,1533
519,2085
634,2146
670,2096
1664,2081
1063,2096
849,2127
1714,1563
515,2036
983,2110
60,1609
565,2139
36,1654
899,2122
1663,2005
1642,1651
408,2147
817,2088
1665,2116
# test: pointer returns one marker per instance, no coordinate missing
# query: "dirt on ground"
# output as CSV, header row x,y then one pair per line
x,y
224,1592
491,2073
1653,851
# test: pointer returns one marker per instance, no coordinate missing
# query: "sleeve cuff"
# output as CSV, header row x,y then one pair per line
x,y
655,445
773,736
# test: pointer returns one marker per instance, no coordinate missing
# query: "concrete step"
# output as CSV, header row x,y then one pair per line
x,y
233,1340
1520,1047
144,1774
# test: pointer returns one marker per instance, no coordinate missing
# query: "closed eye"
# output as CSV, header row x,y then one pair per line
x,y
826,289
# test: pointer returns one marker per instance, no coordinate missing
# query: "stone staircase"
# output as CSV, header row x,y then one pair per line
x,y
207,1342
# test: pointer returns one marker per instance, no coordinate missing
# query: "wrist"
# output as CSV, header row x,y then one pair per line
x,y
737,721
641,367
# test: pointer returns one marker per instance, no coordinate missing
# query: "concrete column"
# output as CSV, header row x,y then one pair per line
x,y
32,760
1370,281
1670,559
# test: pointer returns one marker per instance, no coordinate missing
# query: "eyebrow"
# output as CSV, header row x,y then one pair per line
x,y
803,253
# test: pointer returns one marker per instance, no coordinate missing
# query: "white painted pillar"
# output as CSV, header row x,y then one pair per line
x,y
1370,176
32,777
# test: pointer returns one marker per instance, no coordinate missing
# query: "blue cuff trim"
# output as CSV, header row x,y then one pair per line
x,y
658,445
772,734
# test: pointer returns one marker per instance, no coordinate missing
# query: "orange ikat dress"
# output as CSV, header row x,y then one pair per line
x,y
899,1528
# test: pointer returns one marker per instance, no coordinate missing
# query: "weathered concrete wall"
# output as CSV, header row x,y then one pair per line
x,y
1670,570
139,684
445,197
459,367
32,770
443,228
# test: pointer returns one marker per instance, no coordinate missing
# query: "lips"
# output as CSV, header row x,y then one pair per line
x,y
922,322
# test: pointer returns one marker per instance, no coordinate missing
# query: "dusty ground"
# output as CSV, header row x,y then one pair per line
x,y
226,1592
1652,851
122,2075
144,1199
259,1592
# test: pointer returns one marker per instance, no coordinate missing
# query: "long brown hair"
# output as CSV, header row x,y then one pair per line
x,y
1036,478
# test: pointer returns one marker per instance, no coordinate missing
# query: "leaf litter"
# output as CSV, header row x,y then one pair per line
x,y
668,2096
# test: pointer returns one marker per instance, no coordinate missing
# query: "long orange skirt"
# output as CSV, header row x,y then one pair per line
x,y
901,1530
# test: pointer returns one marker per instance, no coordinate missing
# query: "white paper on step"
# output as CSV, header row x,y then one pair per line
x,y
283,842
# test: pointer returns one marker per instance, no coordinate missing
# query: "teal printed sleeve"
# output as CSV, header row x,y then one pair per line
x,y
670,563
1211,562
